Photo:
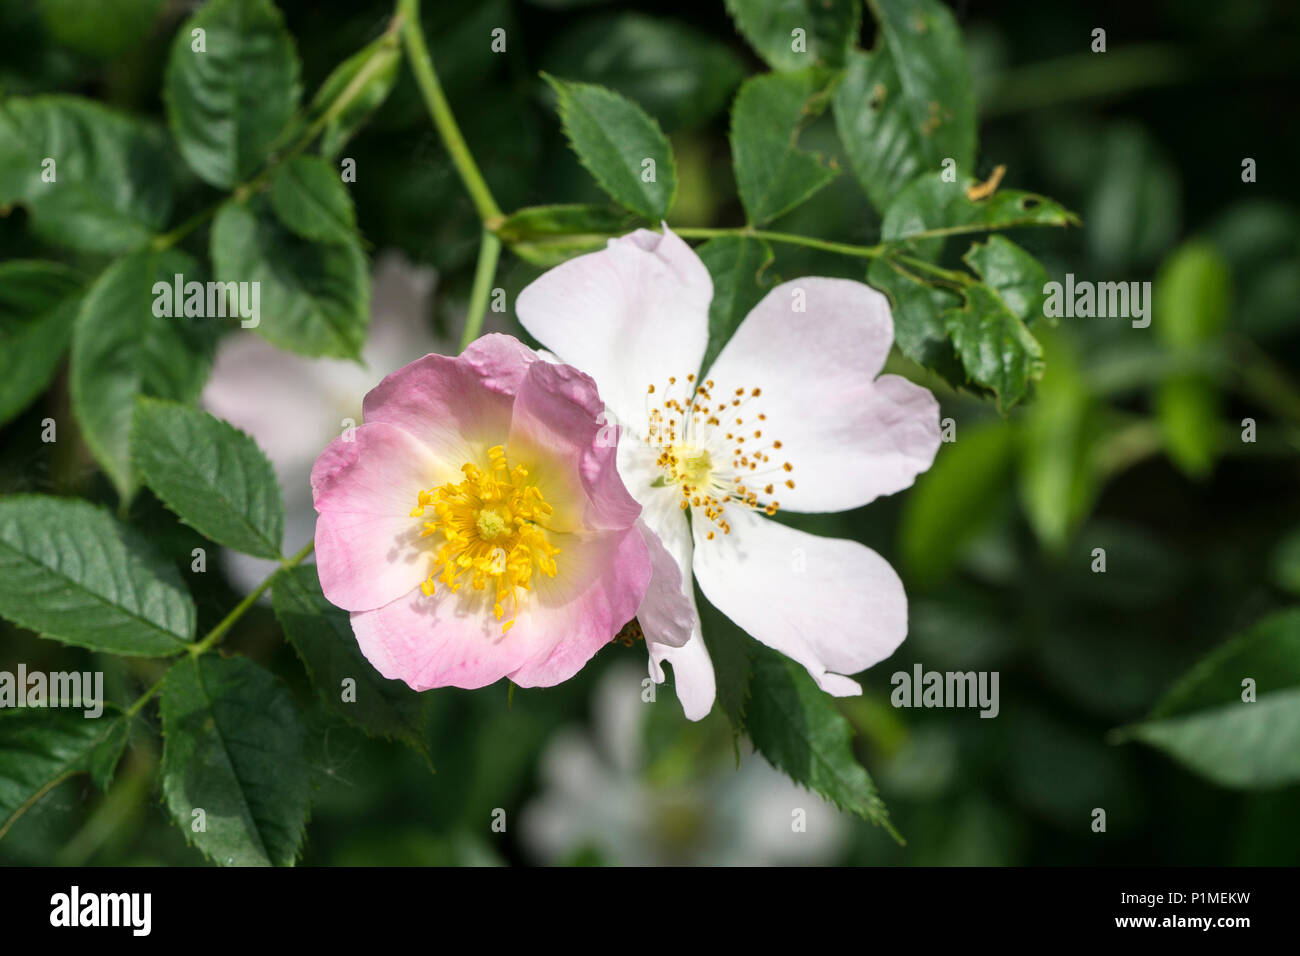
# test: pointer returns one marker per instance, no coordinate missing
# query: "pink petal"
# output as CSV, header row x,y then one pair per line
x,y
453,640
631,316
458,407
834,606
558,431
368,549
617,566
850,439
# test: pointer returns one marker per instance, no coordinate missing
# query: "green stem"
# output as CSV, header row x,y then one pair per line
x,y
488,253
218,632
948,275
226,624
878,251
843,248
427,79
145,697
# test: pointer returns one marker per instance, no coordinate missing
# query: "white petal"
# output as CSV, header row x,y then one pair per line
x,y
850,436
666,615
692,669
835,606
278,398
630,316
692,673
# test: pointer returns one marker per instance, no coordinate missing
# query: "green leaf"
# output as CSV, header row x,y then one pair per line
x,y
1057,476
308,196
772,173
235,748
72,573
928,203
829,30
620,145
1193,299
918,310
679,75
228,104
736,264
548,235
1205,723
38,302
1193,296
385,57
1248,746
952,503
1269,653
112,183
995,347
908,105
729,648
1016,277
1187,409
121,349
40,747
322,635
315,297
107,752
798,729
211,474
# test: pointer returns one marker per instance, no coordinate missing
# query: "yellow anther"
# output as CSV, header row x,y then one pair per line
x,y
494,532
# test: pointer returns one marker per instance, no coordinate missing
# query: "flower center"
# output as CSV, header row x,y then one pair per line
x,y
694,466
708,450
490,524
493,532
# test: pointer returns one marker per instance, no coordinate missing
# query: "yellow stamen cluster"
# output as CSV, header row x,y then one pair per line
x,y
696,433
494,532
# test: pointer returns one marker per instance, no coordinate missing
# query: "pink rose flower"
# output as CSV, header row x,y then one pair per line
x,y
793,415
294,405
476,525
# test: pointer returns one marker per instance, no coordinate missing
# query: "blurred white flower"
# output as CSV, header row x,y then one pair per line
x,y
295,406
597,796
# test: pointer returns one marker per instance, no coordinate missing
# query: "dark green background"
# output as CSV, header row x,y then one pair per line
x,y
1145,142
